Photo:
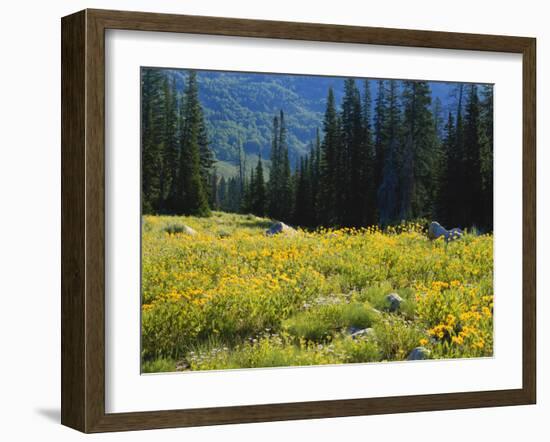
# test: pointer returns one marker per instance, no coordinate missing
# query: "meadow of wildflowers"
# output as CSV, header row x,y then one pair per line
x,y
231,297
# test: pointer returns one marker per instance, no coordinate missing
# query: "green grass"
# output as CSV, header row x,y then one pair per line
x,y
158,366
231,297
321,322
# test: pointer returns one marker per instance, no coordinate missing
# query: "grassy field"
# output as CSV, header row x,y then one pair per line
x,y
231,297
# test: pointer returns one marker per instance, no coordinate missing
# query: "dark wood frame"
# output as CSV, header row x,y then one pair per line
x,y
83,216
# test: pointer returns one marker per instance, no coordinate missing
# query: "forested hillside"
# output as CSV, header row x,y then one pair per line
x,y
239,108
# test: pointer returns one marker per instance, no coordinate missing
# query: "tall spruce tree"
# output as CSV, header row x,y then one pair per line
x,y
368,179
170,145
380,142
285,195
191,193
259,197
444,194
353,159
388,193
472,212
330,163
486,156
419,157
275,173
152,138
456,199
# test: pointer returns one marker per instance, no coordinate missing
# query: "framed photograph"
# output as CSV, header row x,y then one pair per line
x,y
267,221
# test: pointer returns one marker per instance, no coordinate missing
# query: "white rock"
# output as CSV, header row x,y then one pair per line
x,y
280,227
189,231
362,333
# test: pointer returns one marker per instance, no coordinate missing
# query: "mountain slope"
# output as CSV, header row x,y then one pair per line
x,y
239,108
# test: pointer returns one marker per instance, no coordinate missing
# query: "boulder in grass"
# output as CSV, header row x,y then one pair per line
x,y
361,333
179,228
419,354
394,301
189,231
436,230
278,228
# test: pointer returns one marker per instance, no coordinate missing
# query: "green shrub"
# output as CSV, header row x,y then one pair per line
x,y
158,366
321,322
396,337
174,227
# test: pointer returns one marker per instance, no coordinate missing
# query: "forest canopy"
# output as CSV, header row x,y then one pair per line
x,y
380,152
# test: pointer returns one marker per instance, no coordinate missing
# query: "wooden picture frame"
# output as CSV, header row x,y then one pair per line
x,y
83,220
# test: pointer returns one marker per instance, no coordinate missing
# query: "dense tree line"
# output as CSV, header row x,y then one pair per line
x,y
376,160
381,162
177,161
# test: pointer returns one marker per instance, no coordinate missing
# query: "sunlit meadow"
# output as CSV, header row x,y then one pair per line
x,y
231,297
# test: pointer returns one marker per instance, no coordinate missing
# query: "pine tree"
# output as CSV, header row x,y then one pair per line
x,y
222,194
330,163
369,176
248,194
456,199
214,195
473,210
315,165
285,204
274,173
170,145
486,156
302,196
259,199
419,152
388,193
191,193
152,125
444,195
206,154
380,141
353,159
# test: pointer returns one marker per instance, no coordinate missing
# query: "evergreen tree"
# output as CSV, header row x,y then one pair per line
x,y
302,197
170,146
456,199
486,156
206,154
444,205
369,176
222,194
388,193
248,194
380,141
214,196
259,198
285,204
419,152
275,173
472,212
353,159
152,125
191,193
315,166
330,163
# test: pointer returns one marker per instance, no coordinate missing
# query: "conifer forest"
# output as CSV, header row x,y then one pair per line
x,y
289,220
